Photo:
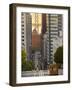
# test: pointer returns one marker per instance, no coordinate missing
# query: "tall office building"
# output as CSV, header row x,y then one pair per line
x,y
26,33
54,31
52,37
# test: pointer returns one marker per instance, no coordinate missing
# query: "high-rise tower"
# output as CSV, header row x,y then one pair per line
x,y
26,33
52,37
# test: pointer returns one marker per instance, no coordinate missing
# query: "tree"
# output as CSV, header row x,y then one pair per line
x,y
23,56
58,56
26,65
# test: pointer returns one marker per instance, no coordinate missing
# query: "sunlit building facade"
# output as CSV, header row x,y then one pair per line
x,y
37,22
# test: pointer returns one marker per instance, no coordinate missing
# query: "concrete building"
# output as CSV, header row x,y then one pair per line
x,y
57,42
26,33
53,37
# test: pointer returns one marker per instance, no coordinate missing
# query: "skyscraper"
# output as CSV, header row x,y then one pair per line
x,y
54,29
26,33
53,32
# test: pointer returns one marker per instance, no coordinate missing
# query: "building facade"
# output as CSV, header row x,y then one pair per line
x,y
36,22
36,49
53,37
36,40
26,33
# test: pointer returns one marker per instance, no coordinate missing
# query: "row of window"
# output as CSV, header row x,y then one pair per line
x,y
53,34
22,25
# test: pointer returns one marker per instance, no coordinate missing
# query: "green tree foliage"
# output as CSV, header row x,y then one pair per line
x,y
26,65
58,56
23,56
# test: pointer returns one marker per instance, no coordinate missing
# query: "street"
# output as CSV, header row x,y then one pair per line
x,y
39,73
35,73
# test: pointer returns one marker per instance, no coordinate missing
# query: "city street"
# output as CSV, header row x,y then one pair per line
x,y
35,73
39,73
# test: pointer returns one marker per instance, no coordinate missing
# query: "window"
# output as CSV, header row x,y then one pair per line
x,y
22,28
22,32
22,18
22,21
22,14
22,36
22,39
22,25
22,43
